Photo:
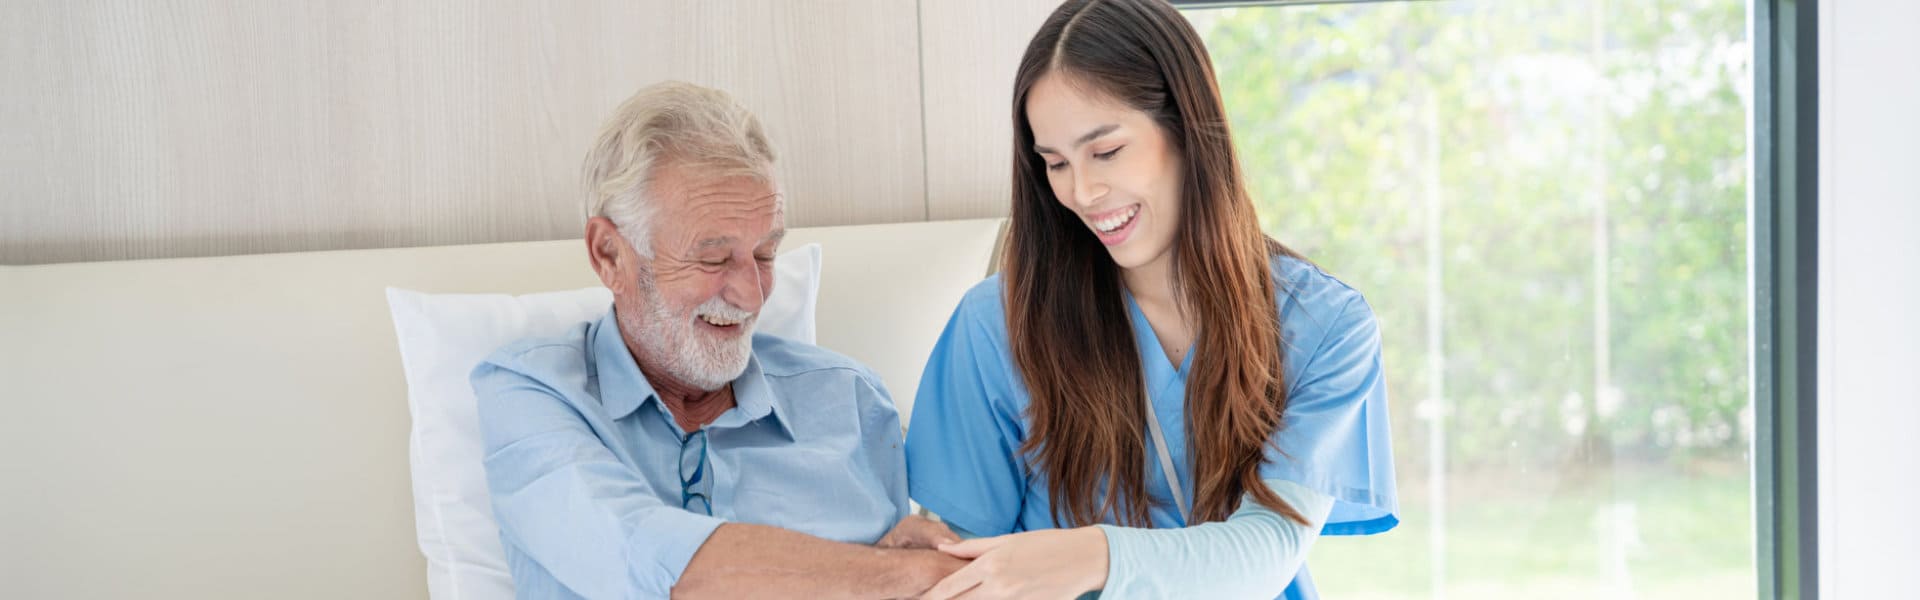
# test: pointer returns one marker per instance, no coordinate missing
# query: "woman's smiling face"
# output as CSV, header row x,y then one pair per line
x,y
1109,163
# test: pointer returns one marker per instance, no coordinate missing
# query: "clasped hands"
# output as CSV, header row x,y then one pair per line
x,y
1050,563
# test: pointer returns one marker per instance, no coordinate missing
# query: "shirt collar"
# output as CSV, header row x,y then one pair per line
x,y
624,389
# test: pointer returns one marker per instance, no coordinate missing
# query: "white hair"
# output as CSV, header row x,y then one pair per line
x,y
669,123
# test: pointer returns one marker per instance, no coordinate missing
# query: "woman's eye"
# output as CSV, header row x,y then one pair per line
x,y
1108,155
1056,166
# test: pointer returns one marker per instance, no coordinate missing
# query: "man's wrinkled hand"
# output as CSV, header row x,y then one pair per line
x,y
917,533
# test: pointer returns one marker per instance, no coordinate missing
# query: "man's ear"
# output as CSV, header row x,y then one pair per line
x,y
610,255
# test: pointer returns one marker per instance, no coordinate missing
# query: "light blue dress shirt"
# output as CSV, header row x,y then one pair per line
x,y
584,465
970,416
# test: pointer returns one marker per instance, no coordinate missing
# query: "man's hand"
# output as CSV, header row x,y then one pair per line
x,y
925,568
917,533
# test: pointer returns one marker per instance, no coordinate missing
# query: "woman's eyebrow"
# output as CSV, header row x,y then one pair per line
x,y
1090,136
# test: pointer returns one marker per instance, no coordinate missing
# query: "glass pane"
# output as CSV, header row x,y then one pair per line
x,y
1545,203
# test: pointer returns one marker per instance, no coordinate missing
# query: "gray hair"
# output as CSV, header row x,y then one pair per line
x,y
671,122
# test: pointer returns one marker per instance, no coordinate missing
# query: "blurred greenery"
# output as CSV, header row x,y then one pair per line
x,y
1584,165
1556,540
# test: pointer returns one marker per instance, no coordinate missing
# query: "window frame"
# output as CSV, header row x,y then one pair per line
x,y
1784,257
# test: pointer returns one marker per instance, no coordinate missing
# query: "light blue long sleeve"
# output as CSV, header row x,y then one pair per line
x,y
1253,554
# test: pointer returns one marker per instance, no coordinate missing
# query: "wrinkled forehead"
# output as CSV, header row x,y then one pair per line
x,y
736,197
731,208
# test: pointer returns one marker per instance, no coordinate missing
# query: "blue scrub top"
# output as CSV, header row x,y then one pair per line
x,y
969,417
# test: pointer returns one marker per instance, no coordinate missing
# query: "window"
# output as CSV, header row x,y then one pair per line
x,y
1545,202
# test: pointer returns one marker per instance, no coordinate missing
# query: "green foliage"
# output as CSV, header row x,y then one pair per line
x,y
1584,165
1543,131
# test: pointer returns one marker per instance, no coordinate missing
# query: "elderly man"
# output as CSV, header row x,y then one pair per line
x,y
666,449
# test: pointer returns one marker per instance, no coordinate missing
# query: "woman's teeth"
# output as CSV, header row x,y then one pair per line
x,y
1115,222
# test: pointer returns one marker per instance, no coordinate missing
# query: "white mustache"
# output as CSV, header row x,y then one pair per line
x,y
723,311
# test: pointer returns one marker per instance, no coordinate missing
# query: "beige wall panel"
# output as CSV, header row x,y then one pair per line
x,y
836,82
970,50
157,129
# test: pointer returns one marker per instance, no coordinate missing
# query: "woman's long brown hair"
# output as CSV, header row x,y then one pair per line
x,y
1068,325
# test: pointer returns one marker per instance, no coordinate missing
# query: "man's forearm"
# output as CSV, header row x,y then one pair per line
x,y
741,560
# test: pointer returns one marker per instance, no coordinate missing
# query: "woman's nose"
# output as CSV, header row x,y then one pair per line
x,y
1087,190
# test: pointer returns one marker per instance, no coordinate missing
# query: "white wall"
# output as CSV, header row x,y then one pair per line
x,y
1869,338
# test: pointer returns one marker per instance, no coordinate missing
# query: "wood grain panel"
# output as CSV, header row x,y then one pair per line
x,y
835,83
193,128
970,50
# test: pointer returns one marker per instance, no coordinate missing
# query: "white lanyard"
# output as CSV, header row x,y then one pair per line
x,y
1166,457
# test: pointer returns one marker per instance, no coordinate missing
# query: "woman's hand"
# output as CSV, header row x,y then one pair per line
x,y
1053,563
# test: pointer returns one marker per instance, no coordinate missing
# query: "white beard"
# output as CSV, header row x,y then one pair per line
x,y
673,346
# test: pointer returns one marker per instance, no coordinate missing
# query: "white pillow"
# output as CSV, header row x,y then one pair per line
x,y
442,337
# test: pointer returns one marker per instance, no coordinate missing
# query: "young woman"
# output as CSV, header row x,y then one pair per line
x,y
1153,398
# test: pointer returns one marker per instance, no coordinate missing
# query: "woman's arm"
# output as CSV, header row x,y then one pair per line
x,y
1253,554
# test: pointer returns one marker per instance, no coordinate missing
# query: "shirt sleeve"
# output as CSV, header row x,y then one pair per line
x,y
1334,436
564,500
962,447
1253,554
